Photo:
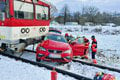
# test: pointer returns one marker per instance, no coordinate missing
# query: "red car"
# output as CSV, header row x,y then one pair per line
x,y
51,29
54,48
78,47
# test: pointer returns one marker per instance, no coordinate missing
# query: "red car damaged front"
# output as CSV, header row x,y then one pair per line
x,y
79,48
54,50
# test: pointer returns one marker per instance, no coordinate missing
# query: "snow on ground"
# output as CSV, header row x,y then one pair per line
x,y
32,47
107,37
108,30
88,71
11,69
29,56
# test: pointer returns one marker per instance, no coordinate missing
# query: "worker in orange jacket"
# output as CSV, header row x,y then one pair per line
x,y
94,49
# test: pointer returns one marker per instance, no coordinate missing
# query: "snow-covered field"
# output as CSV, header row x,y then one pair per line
x,y
108,41
108,55
11,69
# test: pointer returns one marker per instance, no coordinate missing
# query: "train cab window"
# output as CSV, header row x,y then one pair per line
x,y
41,12
2,10
39,16
23,10
44,17
2,6
20,14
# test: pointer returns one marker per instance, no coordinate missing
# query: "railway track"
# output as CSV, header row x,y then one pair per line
x,y
90,64
59,69
97,65
78,77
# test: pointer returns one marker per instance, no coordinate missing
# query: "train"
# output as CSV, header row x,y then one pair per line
x,y
22,22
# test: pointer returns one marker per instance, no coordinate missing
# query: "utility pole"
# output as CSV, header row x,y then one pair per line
x,y
65,15
82,14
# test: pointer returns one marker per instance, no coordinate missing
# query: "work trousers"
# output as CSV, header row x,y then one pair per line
x,y
93,55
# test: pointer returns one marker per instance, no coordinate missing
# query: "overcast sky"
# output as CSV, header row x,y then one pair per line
x,y
75,5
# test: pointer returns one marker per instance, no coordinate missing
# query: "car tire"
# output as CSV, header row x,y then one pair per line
x,y
38,60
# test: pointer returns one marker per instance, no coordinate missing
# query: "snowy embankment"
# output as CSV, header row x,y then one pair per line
x,y
88,71
108,41
11,69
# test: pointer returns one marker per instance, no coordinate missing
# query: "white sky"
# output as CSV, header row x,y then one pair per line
x,y
103,5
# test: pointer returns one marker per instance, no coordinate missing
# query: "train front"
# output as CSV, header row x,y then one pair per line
x,y
23,21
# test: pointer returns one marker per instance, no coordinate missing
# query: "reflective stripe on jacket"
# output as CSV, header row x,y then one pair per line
x,y
94,48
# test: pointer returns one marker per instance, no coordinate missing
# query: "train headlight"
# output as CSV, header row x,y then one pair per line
x,y
42,48
67,51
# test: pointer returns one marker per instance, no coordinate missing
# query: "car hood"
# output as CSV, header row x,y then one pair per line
x,y
55,45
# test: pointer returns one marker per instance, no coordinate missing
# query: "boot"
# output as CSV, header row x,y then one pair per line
x,y
86,57
94,61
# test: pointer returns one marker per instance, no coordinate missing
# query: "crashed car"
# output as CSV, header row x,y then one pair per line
x,y
79,48
54,48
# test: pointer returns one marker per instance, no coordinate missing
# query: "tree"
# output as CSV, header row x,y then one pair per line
x,y
98,18
60,19
77,17
90,12
107,17
65,11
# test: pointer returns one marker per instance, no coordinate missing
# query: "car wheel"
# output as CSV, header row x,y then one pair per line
x,y
38,60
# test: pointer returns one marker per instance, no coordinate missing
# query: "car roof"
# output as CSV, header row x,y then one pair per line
x,y
54,29
55,33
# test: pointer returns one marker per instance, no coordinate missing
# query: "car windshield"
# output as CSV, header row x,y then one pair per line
x,y
72,38
2,6
56,38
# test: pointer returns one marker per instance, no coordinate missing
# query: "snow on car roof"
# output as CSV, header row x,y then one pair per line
x,y
54,33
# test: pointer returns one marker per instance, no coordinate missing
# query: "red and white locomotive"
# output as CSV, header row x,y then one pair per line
x,y
22,19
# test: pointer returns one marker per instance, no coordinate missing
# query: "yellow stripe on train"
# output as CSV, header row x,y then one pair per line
x,y
2,37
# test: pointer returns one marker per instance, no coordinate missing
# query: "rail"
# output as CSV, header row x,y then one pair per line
x,y
97,65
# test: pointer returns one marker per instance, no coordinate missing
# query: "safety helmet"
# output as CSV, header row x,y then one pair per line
x,y
93,37
66,34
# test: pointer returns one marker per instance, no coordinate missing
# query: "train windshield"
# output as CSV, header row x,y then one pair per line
x,y
23,10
